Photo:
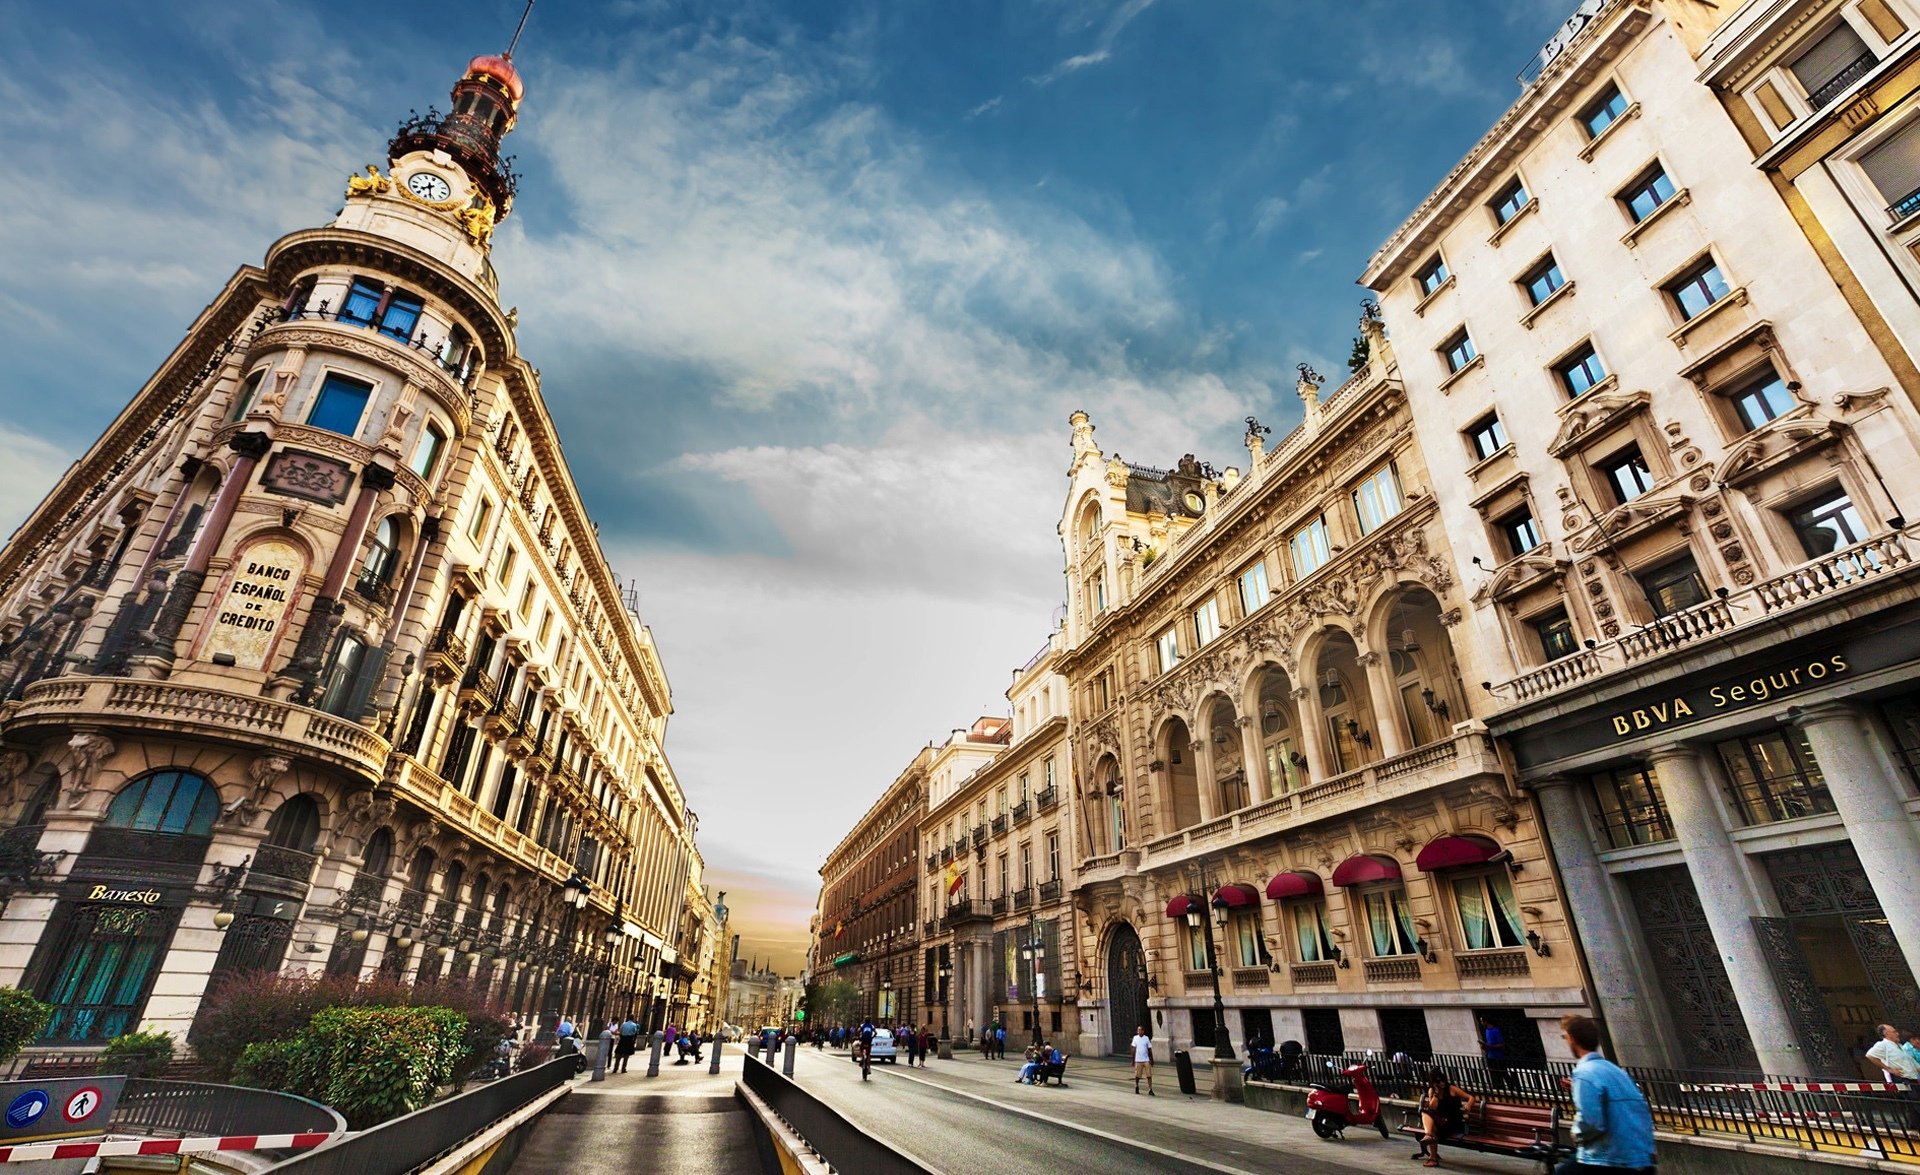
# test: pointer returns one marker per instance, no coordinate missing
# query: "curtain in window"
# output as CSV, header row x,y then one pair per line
x,y
1306,925
1196,949
1380,925
1469,896
1249,936
1506,910
1403,919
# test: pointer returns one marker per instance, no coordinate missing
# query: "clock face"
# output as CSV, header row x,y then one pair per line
x,y
428,186
1195,502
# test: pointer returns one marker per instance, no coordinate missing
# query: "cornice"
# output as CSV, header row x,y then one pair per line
x,y
308,248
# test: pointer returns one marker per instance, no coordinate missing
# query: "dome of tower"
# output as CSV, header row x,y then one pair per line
x,y
500,69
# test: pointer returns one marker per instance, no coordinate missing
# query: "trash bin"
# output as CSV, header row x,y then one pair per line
x,y
1183,1069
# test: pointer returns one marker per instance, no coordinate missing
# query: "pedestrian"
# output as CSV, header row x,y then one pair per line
x,y
1000,1041
970,1033
1612,1124
1894,1061
1036,1057
1142,1058
1493,1045
629,1038
565,1029
1443,1113
913,1044
1910,1046
928,1043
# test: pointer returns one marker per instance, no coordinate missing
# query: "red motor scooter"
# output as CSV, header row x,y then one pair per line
x,y
1331,1111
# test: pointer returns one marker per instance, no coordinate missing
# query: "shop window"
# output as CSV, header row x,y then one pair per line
x,y
1674,587
1489,913
1764,399
1773,776
103,965
1390,929
1487,436
339,405
1631,809
1555,634
1310,932
178,803
1628,474
1828,523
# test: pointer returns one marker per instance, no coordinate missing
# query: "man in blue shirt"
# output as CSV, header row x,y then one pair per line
x,y
1612,1124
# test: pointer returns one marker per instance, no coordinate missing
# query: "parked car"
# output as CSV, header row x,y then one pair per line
x,y
883,1049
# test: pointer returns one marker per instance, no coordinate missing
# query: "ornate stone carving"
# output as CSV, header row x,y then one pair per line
x,y
86,752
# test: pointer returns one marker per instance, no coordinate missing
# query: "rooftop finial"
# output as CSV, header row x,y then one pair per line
x,y
524,14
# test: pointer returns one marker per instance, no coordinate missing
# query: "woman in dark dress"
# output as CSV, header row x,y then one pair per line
x,y
1443,1113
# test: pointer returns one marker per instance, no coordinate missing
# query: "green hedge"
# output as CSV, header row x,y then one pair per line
x,y
379,1063
138,1054
21,1019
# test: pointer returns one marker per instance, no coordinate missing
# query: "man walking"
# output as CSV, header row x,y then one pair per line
x,y
1493,1043
1612,1124
1000,1041
629,1038
1142,1059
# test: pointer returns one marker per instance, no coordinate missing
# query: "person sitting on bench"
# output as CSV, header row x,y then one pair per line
x,y
1443,1113
1036,1061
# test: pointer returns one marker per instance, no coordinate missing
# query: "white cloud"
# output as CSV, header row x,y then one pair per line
x,y
28,468
1103,44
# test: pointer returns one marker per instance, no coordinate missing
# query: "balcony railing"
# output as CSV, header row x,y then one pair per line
x,y
1250,977
965,911
374,590
291,864
1022,898
1905,206
1836,85
979,834
1403,969
1502,963
946,854
1022,810
1000,823
1812,582
933,859
1000,904
1050,890
1306,974
1047,797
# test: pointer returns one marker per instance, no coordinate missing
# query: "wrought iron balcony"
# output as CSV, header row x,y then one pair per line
x,y
1047,797
1022,898
979,834
1836,85
1000,823
374,590
1022,810
290,864
1000,904
1050,890
965,911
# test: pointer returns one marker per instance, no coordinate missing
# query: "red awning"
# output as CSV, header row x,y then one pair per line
x,y
1295,884
1178,907
1454,852
1365,868
1235,896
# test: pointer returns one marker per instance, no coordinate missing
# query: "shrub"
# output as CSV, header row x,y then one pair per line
x,y
21,1019
382,1062
138,1054
285,1065
532,1056
479,1042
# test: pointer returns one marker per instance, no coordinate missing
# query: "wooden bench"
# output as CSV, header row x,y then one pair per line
x,y
1058,1073
1500,1128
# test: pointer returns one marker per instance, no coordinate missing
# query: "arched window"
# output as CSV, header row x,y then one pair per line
x,y
295,825
379,855
377,568
175,802
42,802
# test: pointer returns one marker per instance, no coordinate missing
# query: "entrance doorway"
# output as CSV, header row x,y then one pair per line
x,y
1699,998
1126,988
1518,1036
1404,1030
1324,1034
100,969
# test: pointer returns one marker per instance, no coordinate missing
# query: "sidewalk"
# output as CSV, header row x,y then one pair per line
x,y
686,1081
1099,1096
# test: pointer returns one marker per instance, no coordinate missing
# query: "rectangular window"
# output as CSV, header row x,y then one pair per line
x,y
1254,592
1000,874
1509,202
1097,592
1389,922
243,398
1026,865
1698,288
402,315
1674,587
1894,168
1048,766
478,527
1488,436
1627,472
1311,548
1377,499
1026,785
1603,111
1000,801
1828,524
1773,777
1053,856
1647,193
1555,633
1458,351
339,405
1433,276
1579,371
1835,62
1520,530
506,566
362,302
1247,948
1762,400
427,453
1310,932
1206,623
1489,914
1632,810
546,624
1542,280
1168,643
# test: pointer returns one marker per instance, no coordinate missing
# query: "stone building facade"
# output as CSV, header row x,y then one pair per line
x,y
1272,725
1683,455
869,911
313,659
998,877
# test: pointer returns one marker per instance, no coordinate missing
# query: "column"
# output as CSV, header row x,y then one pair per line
x,y
1593,904
1389,721
982,981
1259,787
1313,734
1719,876
1204,782
1871,802
248,448
322,616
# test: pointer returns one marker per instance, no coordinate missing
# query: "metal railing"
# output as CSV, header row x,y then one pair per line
x,y
193,1109
841,1143
1836,85
413,1140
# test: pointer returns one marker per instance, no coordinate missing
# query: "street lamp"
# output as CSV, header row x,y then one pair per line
x,y
886,997
946,998
1197,920
1034,953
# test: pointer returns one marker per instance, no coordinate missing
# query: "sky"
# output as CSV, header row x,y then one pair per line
x,y
813,287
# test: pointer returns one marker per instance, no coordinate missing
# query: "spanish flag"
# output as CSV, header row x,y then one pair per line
x,y
839,928
955,878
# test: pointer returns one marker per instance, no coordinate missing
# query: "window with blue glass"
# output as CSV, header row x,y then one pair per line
x,y
1458,351
1647,193
1509,202
1763,400
1543,279
1433,276
340,404
1603,111
1697,288
363,302
176,802
401,317
1581,370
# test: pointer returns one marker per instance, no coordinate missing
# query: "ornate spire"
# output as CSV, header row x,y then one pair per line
x,y
486,103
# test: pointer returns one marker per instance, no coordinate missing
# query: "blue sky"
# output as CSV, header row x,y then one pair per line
x,y
812,286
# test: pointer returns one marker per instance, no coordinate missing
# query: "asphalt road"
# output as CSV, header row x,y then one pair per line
x,y
950,1130
642,1136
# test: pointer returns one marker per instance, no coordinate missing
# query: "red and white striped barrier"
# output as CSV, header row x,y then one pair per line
x,y
1795,1087
36,1151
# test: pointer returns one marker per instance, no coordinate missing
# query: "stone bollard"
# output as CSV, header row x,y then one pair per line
x,y
713,1065
653,1058
786,1061
600,1057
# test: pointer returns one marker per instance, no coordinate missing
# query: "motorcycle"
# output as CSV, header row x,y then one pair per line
x,y
1331,1110
1263,1064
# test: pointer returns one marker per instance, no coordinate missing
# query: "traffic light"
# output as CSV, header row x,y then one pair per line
x,y
799,1013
